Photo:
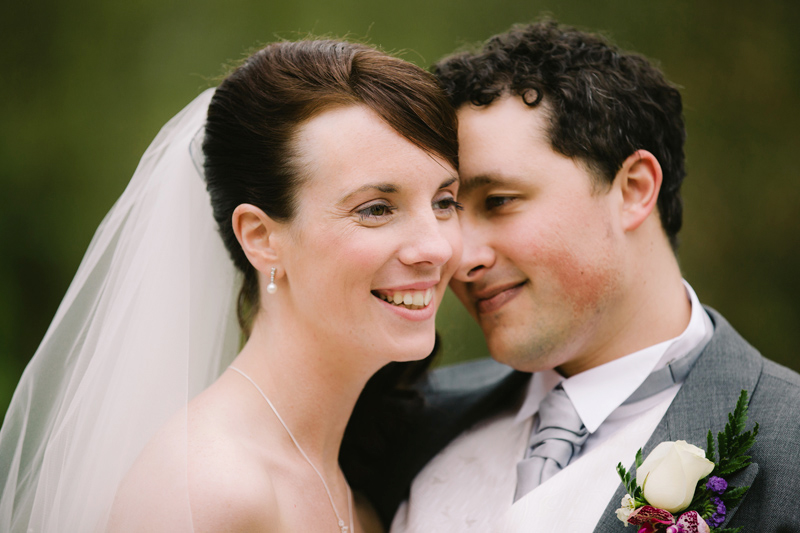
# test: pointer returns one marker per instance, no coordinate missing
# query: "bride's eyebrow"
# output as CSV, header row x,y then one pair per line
x,y
386,188
448,182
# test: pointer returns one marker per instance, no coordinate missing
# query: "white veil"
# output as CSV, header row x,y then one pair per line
x,y
147,323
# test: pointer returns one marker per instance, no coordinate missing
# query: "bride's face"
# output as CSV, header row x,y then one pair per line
x,y
375,238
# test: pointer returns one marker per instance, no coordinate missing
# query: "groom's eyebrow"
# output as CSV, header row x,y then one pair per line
x,y
469,185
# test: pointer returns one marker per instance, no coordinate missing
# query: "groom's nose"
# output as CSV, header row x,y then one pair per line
x,y
478,254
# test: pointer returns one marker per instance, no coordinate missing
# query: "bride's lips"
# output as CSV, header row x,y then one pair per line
x,y
490,300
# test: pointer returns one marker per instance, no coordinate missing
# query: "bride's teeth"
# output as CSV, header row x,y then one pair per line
x,y
410,299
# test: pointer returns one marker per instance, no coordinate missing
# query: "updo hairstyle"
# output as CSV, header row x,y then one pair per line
x,y
254,117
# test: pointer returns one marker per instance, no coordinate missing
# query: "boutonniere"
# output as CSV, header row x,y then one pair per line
x,y
680,488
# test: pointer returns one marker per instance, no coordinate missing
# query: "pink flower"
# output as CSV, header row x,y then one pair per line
x,y
689,522
651,519
655,520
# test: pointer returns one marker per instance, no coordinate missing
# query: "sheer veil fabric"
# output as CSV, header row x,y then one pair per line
x,y
148,322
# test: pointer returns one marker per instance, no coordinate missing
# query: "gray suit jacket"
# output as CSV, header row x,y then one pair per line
x,y
459,396
727,366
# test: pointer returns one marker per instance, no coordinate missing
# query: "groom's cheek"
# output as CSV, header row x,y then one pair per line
x,y
460,290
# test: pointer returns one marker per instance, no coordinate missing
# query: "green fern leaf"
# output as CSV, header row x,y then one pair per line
x,y
710,447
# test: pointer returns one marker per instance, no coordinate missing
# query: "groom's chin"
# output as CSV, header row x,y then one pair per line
x,y
518,351
504,348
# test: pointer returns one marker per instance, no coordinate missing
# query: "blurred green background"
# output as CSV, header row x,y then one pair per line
x,y
86,85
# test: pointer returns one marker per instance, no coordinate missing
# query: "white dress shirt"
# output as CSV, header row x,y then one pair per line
x,y
470,484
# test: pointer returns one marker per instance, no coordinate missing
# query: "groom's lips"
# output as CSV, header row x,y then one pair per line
x,y
492,299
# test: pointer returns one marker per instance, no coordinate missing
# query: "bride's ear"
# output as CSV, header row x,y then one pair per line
x,y
255,231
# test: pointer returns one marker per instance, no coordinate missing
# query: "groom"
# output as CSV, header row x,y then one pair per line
x,y
571,160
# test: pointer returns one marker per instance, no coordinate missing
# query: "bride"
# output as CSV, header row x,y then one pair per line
x,y
330,169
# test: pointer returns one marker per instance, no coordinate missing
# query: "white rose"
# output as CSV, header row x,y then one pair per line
x,y
670,474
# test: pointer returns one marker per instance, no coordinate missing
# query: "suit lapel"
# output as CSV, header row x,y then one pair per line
x,y
727,366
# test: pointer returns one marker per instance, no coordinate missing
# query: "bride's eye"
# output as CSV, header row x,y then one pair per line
x,y
447,205
375,212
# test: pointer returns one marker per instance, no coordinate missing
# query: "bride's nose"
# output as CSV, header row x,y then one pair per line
x,y
428,240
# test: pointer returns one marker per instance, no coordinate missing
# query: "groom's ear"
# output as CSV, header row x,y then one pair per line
x,y
255,231
639,180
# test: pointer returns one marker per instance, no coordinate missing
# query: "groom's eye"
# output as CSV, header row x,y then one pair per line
x,y
493,202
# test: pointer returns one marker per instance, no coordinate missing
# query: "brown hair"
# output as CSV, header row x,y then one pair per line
x,y
603,103
249,146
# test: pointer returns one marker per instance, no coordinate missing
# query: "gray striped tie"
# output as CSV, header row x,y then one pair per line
x,y
558,436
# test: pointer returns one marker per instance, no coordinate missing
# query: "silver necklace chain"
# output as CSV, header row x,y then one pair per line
x,y
340,522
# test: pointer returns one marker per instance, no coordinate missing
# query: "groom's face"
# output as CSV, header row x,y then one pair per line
x,y
542,263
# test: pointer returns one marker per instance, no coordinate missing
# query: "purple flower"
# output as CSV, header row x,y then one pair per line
x,y
715,520
718,517
721,509
717,484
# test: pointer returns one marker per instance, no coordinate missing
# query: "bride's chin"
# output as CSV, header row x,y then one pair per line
x,y
415,351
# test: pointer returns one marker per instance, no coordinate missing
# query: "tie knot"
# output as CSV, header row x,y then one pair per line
x,y
557,411
558,421
557,437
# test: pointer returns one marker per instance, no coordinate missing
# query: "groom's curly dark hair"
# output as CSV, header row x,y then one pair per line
x,y
603,103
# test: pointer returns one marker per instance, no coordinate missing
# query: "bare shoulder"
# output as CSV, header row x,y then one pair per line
x,y
198,474
230,485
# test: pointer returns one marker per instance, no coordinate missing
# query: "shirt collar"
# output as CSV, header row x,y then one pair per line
x,y
597,392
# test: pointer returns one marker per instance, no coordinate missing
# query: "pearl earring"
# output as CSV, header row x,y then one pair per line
x,y
271,288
